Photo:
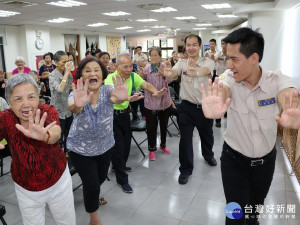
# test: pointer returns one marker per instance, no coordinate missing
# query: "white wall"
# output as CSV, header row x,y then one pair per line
x,y
21,42
271,25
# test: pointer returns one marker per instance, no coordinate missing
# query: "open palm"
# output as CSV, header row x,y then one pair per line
x,y
120,92
81,96
36,128
290,116
212,103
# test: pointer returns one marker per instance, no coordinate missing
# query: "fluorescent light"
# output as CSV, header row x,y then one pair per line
x,y
66,3
226,15
123,28
4,13
185,18
146,30
60,20
199,28
119,13
203,24
156,26
217,6
97,24
166,9
146,20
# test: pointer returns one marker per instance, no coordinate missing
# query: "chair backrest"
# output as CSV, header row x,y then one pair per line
x,y
176,99
138,125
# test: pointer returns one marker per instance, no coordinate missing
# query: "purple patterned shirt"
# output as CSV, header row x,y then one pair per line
x,y
159,82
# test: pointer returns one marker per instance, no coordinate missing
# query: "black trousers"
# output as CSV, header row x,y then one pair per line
x,y
93,172
189,117
65,125
152,119
134,107
246,184
122,135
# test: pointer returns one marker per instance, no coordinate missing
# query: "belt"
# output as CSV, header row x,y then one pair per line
x,y
121,111
251,161
192,104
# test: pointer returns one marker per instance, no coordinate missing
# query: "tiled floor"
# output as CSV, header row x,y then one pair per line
x,y
158,199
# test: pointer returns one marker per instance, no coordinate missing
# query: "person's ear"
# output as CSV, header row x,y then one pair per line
x,y
254,58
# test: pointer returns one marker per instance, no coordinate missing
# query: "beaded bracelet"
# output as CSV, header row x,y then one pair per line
x,y
48,133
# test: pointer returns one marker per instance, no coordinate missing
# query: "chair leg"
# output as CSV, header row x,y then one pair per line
x,y
138,145
173,122
3,221
169,133
1,162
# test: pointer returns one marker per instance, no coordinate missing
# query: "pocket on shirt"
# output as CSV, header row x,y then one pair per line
x,y
186,78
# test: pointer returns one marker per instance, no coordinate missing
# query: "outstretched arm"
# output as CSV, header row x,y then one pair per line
x,y
149,87
290,117
216,102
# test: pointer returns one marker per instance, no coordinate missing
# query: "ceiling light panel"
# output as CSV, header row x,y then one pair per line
x,y
4,13
203,24
185,18
156,26
145,30
146,20
165,9
67,3
217,6
119,13
97,24
60,20
226,15
199,28
123,28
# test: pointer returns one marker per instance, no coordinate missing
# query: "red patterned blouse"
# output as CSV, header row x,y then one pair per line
x,y
35,165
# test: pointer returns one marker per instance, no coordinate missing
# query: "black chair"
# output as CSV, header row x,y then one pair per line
x,y
2,213
138,126
4,153
173,111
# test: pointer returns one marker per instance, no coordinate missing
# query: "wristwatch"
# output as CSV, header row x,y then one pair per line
x,y
64,81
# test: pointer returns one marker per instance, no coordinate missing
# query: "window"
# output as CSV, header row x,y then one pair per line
x,y
166,46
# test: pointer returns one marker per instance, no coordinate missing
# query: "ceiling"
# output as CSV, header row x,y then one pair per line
x,y
140,9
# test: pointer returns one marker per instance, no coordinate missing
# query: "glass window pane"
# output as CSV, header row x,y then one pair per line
x,y
164,54
170,53
163,43
170,42
150,44
156,43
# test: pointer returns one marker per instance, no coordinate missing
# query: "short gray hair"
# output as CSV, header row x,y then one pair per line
x,y
15,80
18,58
154,48
121,56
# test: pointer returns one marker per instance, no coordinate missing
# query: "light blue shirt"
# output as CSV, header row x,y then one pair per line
x,y
91,132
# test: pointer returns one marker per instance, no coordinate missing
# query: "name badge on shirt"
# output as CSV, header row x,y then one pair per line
x,y
265,102
184,73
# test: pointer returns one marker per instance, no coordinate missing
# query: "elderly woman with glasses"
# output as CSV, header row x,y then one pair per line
x,y
21,68
38,167
91,139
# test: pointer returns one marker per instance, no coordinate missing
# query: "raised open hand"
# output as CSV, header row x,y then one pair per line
x,y
136,96
160,92
120,92
81,96
2,146
36,128
168,72
192,68
212,103
290,116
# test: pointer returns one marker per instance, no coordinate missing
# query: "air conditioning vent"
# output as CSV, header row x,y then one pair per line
x,y
18,4
150,6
